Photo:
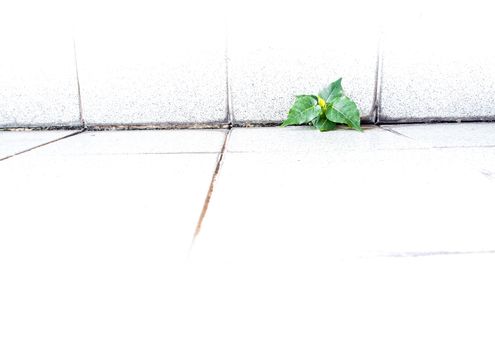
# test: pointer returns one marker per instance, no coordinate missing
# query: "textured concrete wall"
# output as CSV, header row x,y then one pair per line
x,y
438,63
65,63
38,85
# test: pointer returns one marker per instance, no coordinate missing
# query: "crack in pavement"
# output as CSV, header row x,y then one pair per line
x,y
395,132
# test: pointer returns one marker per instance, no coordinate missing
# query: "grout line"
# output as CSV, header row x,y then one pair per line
x,y
433,120
212,186
229,110
152,153
43,144
256,124
160,126
377,98
81,118
40,128
217,126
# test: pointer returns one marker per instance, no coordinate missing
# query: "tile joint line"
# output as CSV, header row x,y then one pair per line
x,y
228,99
377,98
43,144
81,117
212,184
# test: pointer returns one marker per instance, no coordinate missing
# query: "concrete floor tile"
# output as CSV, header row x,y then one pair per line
x,y
309,239
449,134
92,246
363,201
308,140
381,303
395,245
139,142
12,142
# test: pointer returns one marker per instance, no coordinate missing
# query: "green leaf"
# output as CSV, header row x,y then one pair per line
x,y
312,96
323,124
304,110
344,110
332,91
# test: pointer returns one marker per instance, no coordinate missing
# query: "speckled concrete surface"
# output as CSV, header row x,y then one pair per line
x,y
156,63
435,71
276,59
38,85
163,70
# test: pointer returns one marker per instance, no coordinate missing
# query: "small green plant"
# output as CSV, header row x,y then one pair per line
x,y
325,111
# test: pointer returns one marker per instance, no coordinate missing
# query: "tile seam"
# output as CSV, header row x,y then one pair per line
x,y
43,144
211,188
229,110
81,116
377,103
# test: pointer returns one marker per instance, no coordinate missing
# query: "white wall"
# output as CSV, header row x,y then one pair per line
x,y
161,62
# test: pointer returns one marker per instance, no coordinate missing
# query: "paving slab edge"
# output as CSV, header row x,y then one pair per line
x,y
244,124
76,132
382,120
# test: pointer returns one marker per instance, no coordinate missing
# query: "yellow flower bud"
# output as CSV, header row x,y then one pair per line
x,y
321,103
